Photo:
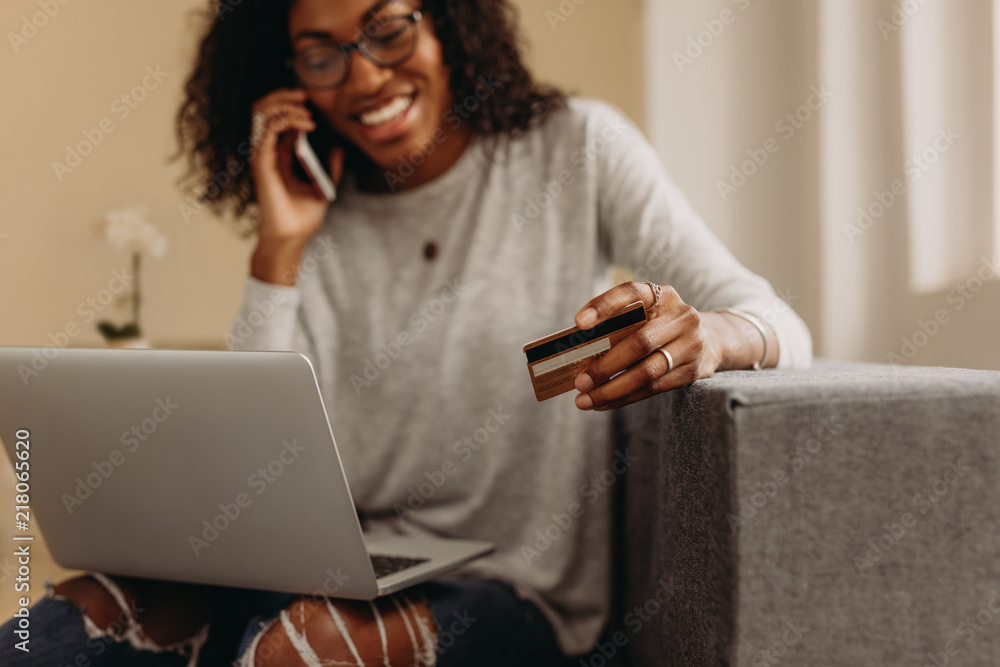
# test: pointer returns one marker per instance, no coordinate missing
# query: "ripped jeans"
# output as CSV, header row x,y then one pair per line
x,y
478,622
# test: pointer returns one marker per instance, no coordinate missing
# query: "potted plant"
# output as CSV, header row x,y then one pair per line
x,y
129,229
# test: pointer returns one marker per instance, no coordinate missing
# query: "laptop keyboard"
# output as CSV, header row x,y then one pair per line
x,y
386,565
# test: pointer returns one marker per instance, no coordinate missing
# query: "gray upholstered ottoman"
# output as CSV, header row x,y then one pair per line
x,y
845,515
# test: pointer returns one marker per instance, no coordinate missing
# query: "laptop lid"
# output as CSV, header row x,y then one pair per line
x,y
214,467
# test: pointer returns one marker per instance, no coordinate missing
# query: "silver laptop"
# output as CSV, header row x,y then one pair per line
x,y
210,467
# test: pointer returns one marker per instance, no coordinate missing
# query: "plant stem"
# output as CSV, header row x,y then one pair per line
x,y
135,289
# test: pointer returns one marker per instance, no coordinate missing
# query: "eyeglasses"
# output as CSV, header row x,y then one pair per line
x,y
386,43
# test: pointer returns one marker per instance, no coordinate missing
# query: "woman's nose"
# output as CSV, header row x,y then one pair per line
x,y
366,78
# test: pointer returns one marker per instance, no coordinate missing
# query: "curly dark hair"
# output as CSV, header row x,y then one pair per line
x,y
242,58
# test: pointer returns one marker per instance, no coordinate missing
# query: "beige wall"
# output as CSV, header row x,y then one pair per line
x,y
66,79
589,47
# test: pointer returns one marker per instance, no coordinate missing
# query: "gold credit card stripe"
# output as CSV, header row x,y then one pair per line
x,y
572,356
556,360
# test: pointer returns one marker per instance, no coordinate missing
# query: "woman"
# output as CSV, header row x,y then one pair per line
x,y
476,211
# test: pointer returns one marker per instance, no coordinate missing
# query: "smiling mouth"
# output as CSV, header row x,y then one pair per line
x,y
388,112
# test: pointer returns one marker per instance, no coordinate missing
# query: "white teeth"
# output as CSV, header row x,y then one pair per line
x,y
388,112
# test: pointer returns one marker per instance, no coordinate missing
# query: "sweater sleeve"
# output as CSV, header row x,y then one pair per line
x,y
268,319
647,225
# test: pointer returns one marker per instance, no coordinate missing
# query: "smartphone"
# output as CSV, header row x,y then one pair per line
x,y
314,168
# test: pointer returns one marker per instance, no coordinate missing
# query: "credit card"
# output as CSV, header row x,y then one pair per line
x,y
556,360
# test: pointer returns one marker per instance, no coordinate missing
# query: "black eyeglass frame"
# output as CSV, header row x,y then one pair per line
x,y
361,46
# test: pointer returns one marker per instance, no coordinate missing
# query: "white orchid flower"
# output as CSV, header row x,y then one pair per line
x,y
128,228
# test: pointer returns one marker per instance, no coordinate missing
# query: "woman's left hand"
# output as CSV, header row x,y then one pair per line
x,y
670,324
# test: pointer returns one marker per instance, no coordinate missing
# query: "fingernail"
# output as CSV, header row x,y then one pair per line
x,y
584,382
584,402
587,317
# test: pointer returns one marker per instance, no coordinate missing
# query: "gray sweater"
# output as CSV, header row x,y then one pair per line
x,y
420,360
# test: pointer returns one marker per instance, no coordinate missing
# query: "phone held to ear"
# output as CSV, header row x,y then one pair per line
x,y
314,168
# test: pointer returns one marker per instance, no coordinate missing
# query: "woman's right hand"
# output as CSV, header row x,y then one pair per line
x,y
291,210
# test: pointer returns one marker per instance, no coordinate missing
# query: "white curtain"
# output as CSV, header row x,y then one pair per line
x,y
948,56
876,199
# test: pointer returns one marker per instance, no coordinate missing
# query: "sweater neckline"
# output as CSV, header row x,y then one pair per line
x,y
465,167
